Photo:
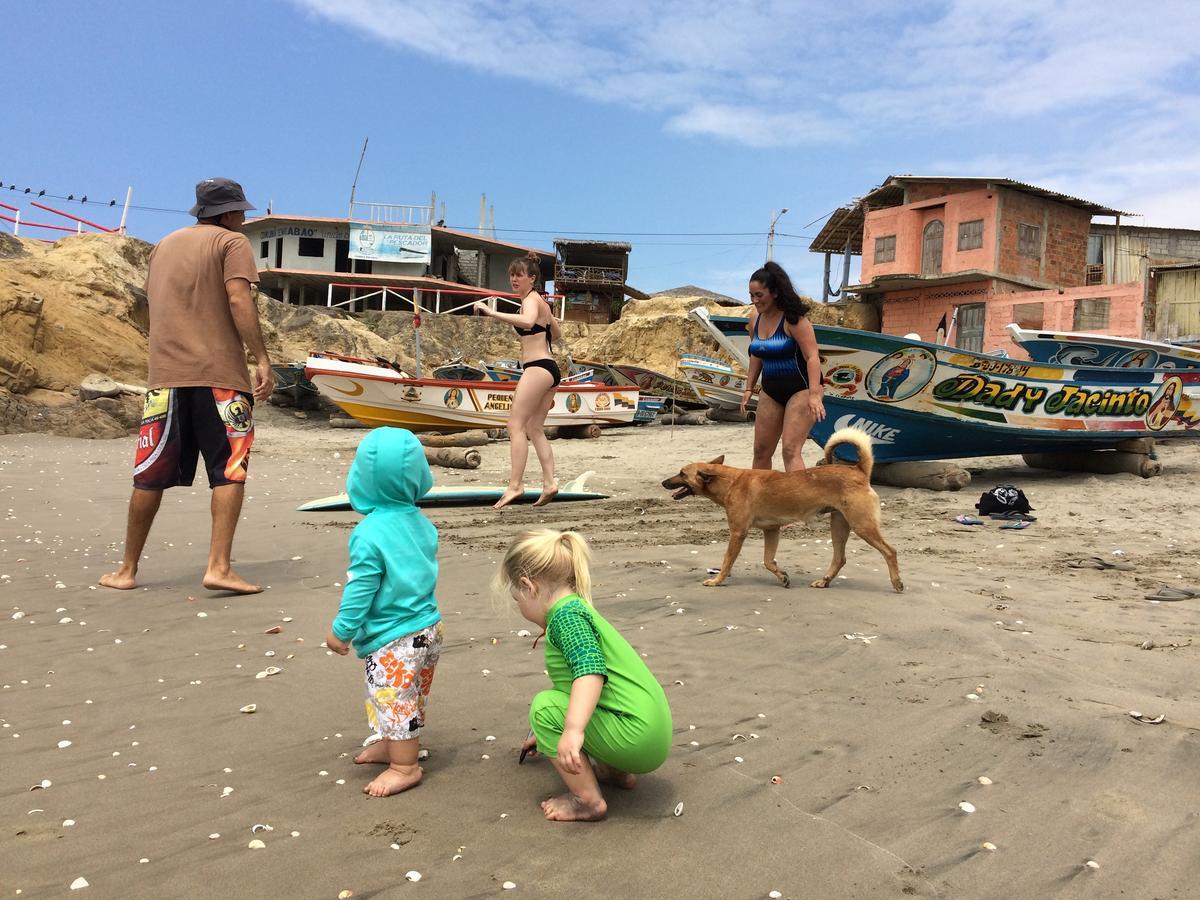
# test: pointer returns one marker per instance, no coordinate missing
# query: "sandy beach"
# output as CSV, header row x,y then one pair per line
x,y
1002,678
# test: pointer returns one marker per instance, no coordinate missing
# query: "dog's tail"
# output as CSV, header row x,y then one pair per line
x,y
861,442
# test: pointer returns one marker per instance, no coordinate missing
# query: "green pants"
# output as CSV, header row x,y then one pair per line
x,y
625,742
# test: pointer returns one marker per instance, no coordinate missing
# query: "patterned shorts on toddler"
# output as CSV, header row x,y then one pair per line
x,y
399,676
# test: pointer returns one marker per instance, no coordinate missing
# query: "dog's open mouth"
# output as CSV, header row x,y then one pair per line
x,y
683,492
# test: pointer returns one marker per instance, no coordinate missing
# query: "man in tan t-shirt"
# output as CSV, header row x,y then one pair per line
x,y
199,400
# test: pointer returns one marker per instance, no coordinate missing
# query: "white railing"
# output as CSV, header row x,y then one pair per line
x,y
418,301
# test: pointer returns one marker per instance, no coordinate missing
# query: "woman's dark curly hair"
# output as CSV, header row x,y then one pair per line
x,y
774,279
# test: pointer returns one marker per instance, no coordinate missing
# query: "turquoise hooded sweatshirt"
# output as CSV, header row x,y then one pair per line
x,y
393,551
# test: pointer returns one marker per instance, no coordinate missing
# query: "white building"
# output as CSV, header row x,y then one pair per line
x,y
308,260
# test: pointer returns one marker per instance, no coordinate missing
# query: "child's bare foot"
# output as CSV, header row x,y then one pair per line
x,y
374,753
549,492
124,579
569,808
606,774
393,780
510,494
229,581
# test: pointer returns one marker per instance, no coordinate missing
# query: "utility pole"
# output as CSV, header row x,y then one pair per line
x,y
771,232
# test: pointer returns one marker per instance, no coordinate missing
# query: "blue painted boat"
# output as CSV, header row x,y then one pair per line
x,y
919,400
1071,348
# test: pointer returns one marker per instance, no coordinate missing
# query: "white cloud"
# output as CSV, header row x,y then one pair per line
x,y
1073,93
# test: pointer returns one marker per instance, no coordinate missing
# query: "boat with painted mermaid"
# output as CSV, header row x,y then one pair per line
x,y
920,400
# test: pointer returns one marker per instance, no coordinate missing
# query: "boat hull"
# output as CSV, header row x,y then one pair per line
x,y
925,401
718,385
377,396
1078,349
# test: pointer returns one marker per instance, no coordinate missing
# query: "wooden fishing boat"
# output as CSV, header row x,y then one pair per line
x,y
376,394
731,333
927,401
675,391
718,385
1071,348
460,370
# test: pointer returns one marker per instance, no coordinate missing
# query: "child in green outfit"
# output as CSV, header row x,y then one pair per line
x,y
606,717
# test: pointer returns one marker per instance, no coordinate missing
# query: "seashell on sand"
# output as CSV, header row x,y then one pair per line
x,y
988,845
509,885
256,844
967,807
413,875
249,708
983,779
679,809
79,883
1092,864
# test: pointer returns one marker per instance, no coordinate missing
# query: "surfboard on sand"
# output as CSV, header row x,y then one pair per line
x,y
482,495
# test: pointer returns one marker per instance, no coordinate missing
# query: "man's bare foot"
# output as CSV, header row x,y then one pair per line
x,y
393,780
122,580
229,581
569,808
510,494
549,492
606,774
373,753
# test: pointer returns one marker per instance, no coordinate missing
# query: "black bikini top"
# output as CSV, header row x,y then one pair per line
x,y
536,329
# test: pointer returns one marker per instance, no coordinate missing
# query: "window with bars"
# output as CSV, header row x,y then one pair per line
x,y
970,235
885,249
1029,315
1029,240
1091,314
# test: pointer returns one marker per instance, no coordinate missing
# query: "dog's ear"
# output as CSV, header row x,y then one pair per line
x,y
705,475
718,461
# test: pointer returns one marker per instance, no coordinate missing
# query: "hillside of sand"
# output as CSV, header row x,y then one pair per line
x,y
77,307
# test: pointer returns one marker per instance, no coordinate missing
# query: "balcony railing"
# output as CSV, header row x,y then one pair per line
x,y
588,275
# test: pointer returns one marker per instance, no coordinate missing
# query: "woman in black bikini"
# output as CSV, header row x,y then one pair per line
x,y
534,396
783,348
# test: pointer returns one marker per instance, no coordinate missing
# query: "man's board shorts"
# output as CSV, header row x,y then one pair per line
x,y
180,424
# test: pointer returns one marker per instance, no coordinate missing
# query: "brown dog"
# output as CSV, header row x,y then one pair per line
x,y
767,499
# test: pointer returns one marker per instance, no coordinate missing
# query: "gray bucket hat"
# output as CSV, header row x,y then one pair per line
x,y
215,196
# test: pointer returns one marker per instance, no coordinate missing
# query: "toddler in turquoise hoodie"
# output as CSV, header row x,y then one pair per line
x,y
388,608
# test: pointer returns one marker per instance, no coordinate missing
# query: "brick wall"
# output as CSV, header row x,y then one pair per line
x,y
920,311
1063,233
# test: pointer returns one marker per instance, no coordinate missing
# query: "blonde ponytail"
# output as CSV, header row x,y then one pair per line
x,y
546,555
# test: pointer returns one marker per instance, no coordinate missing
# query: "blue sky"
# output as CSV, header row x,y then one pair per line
x,y
678,126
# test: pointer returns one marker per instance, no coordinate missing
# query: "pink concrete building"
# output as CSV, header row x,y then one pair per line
x,y
981,252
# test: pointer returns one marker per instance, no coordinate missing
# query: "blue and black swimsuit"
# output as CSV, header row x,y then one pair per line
x,y
784,372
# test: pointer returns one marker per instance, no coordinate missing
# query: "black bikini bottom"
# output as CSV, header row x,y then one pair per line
x,y
783,388
549,365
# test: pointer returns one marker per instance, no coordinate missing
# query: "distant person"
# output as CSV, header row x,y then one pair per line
x,y
534,396
199,401
791,400
606,716
388,609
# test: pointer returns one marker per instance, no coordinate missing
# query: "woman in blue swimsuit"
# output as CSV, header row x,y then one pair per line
x,y
534,396
787,358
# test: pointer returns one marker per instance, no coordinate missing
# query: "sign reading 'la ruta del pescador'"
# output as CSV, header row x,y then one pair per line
x,y
1071,400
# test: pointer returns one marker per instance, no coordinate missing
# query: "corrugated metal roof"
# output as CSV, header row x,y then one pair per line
x,y
846,223
886,191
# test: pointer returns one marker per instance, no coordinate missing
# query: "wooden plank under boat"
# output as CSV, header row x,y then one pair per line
x,y
376,394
